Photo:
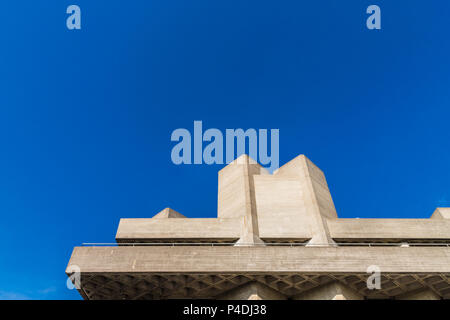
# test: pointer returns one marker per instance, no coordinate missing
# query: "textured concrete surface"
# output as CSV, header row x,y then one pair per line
x,y
180,229
330,291
276,236
190,259
252,291
139,285
426,294
389,229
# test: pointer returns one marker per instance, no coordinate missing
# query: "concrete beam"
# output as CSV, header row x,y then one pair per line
x,y
147,230
223,259
354,229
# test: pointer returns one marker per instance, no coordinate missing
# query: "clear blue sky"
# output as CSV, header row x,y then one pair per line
x,y
86,116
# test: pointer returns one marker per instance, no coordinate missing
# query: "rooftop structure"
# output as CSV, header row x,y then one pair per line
x,y
276,236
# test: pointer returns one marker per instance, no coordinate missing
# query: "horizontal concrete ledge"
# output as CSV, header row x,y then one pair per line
x,y
180,228
351,229
228,229
193,230
192,259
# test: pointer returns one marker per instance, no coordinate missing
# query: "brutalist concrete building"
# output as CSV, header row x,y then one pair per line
x,y
276,236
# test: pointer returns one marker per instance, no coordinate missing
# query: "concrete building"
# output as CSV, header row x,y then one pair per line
x,y
276,236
